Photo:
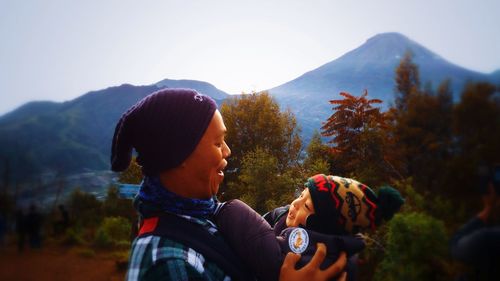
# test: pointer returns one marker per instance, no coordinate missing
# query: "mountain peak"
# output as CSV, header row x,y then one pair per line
x,y
389,47
389,36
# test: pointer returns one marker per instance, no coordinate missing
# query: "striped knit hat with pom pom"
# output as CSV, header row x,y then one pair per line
x,y
343,205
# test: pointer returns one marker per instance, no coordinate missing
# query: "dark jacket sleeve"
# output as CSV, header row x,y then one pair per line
x,y
251,237
273,216
476,243
334,245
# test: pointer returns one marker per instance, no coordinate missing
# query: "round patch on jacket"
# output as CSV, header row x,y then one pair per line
x,y
298,240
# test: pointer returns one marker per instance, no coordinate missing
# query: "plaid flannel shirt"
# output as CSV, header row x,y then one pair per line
x,y
159,258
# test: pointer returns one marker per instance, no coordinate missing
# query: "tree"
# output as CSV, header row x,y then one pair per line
x,y
476,127
424,136
351,116
358,138
85,209
318,156
416,247
421,128
407,81
114,206
261,185
255,120
133,174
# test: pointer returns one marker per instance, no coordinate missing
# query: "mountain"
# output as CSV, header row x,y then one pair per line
x,y
202,87
496,77
74,136
372,67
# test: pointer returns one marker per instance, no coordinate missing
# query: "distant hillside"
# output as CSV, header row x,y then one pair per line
x,y
73,136
202,87
370,66
496,76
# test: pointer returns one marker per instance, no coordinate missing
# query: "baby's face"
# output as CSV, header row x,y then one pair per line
x,y
300,209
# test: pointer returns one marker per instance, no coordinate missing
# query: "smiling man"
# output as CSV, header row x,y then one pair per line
x,y
178,135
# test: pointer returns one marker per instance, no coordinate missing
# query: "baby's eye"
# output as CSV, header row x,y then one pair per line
x,y
218,144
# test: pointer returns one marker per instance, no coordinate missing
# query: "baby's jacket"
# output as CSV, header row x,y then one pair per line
x,y
263,248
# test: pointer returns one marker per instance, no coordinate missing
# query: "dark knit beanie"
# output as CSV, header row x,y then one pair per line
x,y
343,205
164,128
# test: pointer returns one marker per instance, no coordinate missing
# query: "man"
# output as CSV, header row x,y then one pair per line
x,y
178,135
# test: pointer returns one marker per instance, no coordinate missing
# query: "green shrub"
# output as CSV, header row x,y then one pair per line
x,y
121,259
73,237
85,209
86,253
113,231
102,239
416,249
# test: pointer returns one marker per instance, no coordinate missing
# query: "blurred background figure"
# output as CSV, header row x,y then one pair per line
x,y
20,229
477,242
3,229
62,222
33,224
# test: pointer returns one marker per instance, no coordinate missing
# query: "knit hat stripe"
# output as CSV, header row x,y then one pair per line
x,y
372,207
342,201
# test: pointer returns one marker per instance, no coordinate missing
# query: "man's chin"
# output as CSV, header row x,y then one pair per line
x,y
215,184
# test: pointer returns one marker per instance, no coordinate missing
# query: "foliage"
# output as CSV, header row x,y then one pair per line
x,y
255,124
121,259
261,185
318,156
476,126
414,202
84,208
416,248
423,134
113,205
73,237
112,231
102,239
359,139
255,120
351,116
407,81
86,253
133,174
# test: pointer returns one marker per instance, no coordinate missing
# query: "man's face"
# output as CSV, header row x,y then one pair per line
x,y
300,209
208,160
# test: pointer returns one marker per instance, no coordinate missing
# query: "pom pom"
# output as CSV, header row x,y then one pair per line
x,y
389,202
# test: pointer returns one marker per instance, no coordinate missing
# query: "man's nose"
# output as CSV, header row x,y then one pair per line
x,y
226,151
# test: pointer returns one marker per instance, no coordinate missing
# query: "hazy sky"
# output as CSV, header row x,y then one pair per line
x,y
58,50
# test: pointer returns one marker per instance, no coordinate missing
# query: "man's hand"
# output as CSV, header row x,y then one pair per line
x,y
311,271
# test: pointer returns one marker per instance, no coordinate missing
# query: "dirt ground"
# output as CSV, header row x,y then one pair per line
x,y
54,262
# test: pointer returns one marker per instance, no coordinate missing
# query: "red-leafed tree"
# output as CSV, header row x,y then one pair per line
x,y
352,115
358,137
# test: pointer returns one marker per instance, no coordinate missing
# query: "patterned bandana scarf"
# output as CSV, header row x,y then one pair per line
x,y
153,197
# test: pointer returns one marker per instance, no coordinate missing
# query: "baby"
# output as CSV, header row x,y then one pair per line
x,y
329,210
